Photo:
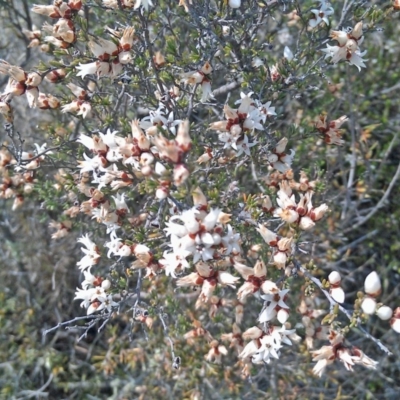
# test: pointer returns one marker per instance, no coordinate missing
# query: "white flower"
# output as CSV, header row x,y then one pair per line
x,y
243,146
172,261
321,15
338,53
89,279
231,241
92,254
120,203
86,69
272,301
106,302
85,295
250,349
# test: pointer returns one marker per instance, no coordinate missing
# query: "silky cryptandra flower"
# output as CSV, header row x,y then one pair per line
x,y
216,352
348,47
321,15
20,82
349,356
200,77
238,122
302,213
265,344
282,246
235,338
158,120
111,57
45,102
91,251
309,311
274,303
331,130
254,277
278,159
62,33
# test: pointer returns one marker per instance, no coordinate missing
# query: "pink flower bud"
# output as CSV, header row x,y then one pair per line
x,y
395,321
372,284
181,173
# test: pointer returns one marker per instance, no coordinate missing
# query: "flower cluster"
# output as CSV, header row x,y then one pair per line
x,y
348,355
245,119
265,344
111,56
20,83
195,243
331,129
348,46
200,77
369,305
200,234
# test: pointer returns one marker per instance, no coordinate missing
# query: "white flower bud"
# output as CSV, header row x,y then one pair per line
x,y
106,284
368,305
226,30
282,316
124,251
384,313
337,294
234,3
334,278
357,31
269,237
162,193
306,223
372,284
160,169
216,238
